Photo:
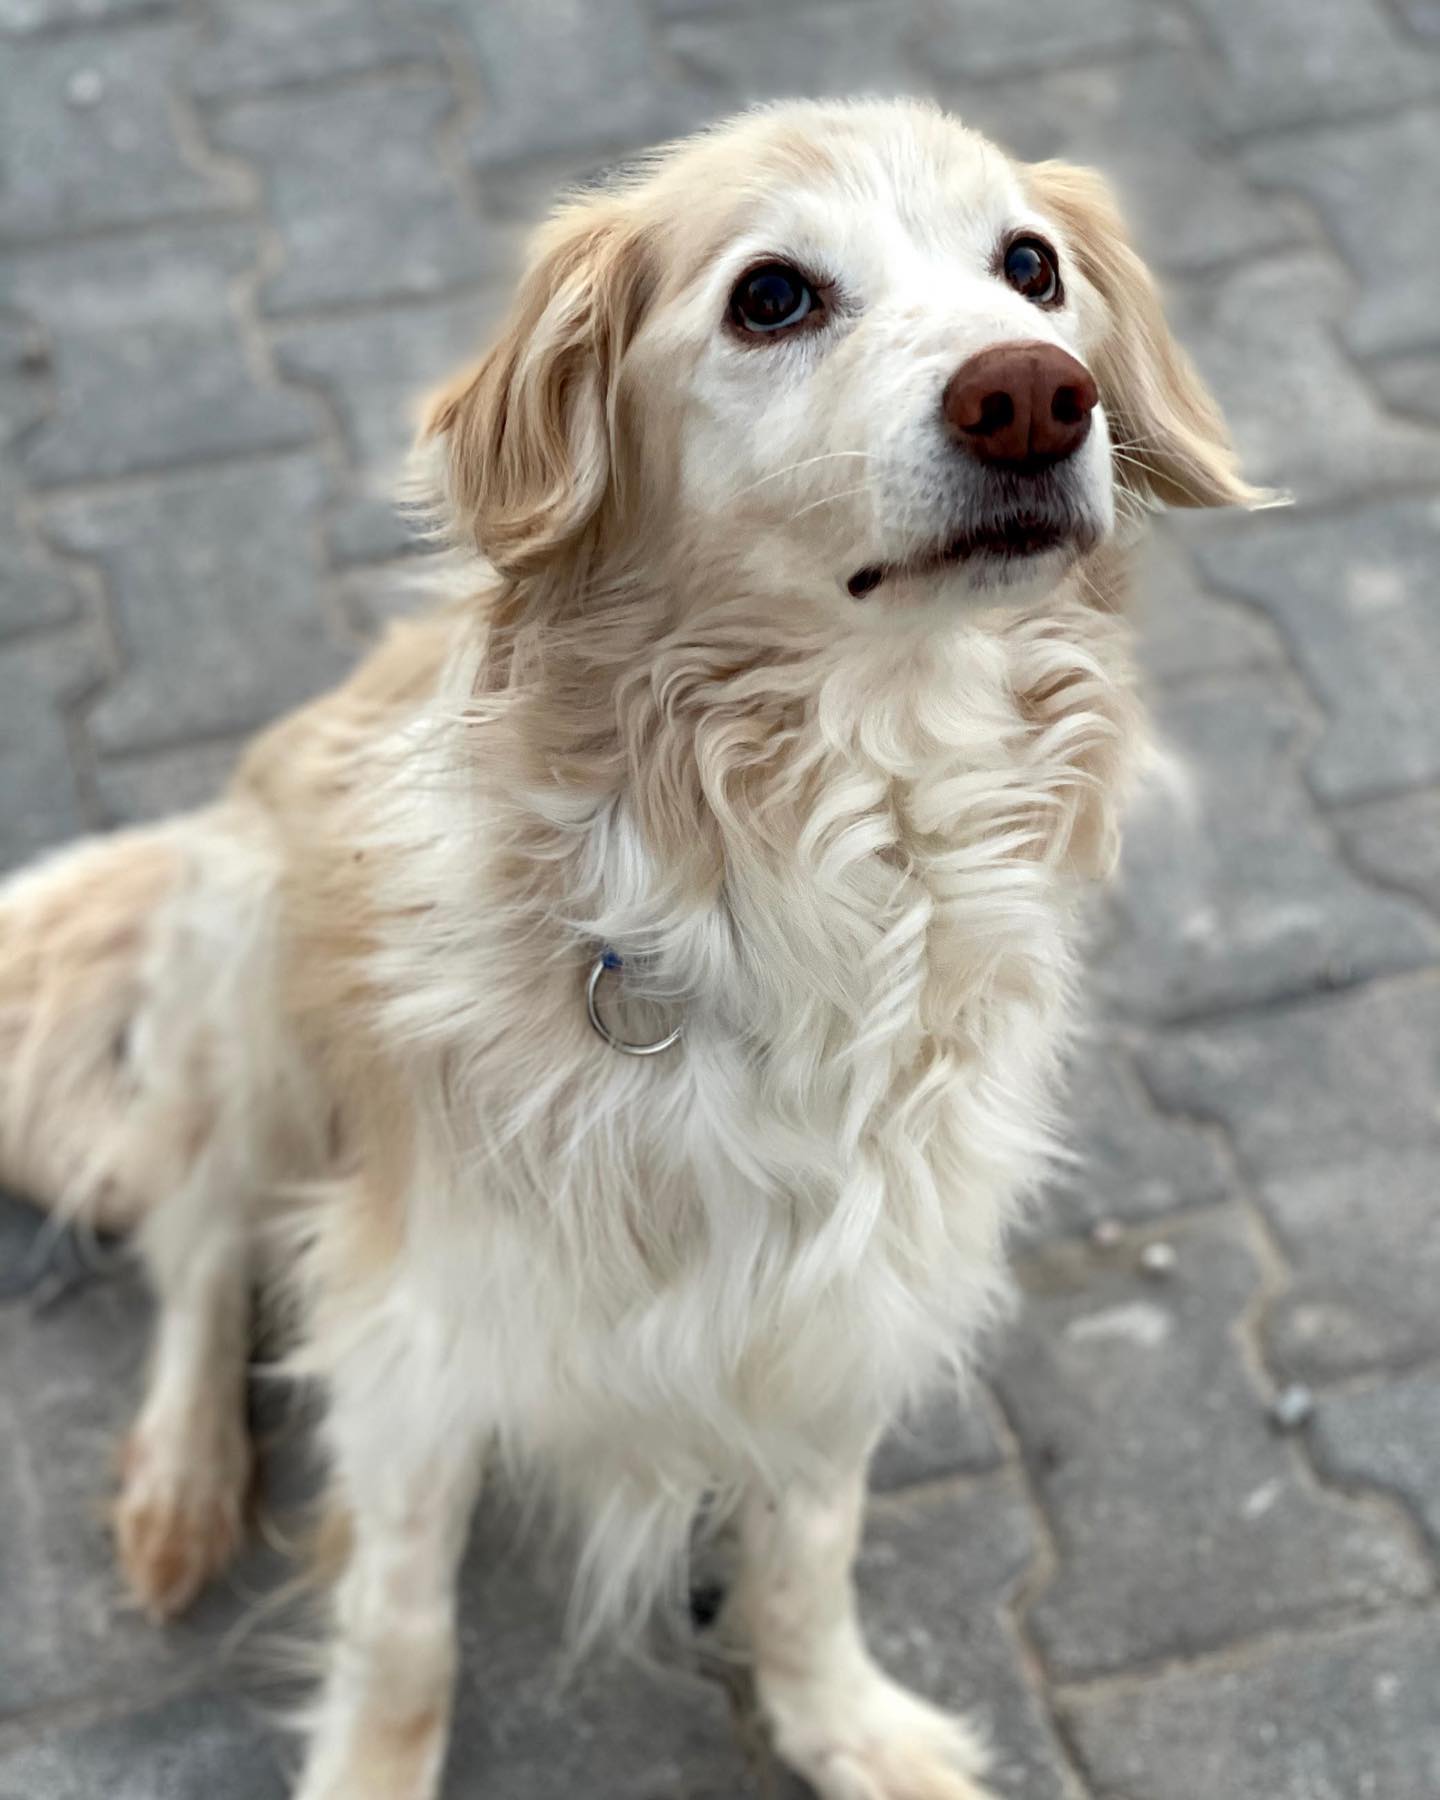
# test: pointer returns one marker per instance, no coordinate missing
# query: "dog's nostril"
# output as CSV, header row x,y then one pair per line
x,y
996,412
1066,407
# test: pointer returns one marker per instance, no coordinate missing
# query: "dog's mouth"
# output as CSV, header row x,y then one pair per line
x,y
988,549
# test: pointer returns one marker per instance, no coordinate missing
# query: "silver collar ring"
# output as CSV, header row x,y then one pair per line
x,y
606,962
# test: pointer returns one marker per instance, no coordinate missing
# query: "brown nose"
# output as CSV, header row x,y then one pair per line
x,y
1020,406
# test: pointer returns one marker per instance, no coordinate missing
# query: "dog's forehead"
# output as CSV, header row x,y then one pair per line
x,y
814,176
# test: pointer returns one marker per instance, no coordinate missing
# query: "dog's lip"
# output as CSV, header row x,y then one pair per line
x,y
1014,539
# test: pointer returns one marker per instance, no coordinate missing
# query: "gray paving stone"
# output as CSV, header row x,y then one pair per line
x,y
358,193
215,589
1386,1435
819,50
938,1574
1353,595
1291,62
133,789
1184,630
1352,1717
614,1730
1301,413
210,1744
22,17
1423,16
960,38
87,140
607,93
1411,385
149,366
33,591
39,799
1133,1163
1182,1522
250,46
1361,1237
1397,842
950,1434
1312,1085
375,371
1144,121
1373,186
370,597
72,1381
1235,895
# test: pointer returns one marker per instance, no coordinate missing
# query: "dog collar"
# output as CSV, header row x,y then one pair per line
x,y
608,963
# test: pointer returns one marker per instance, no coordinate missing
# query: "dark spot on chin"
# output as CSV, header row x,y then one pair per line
x,y
864,581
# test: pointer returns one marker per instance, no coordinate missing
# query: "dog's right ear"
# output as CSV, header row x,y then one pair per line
x,y
526,437
1171,441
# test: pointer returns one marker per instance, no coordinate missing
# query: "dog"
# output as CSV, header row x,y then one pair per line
x,y
629,1010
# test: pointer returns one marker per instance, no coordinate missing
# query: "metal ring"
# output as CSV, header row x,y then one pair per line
x,y
603,962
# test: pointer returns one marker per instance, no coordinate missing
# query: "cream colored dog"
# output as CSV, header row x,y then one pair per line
x,y
784,701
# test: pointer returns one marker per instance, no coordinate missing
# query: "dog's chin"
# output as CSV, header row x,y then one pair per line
x,y
1019,555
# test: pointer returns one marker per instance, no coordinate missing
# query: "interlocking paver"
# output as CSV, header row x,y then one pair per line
x,y
1352,593
1361,1238
184,182
358,193
87,138
22,17
608,93
1181,1520
1348,1717
1397,842
150,369
210,1744
980,37
1373,184
1292,61
1305,421
1134,1163
950,1434
1307,1086
939,1574
1145,121
132,789
40,799
850,49
1227,904
1187,631
374,371
1386,1435
250,46
241,542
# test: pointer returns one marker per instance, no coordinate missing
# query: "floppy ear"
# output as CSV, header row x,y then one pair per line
x,y
1163,419
527,436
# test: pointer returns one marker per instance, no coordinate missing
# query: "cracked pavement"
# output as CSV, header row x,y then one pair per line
x,y
235,237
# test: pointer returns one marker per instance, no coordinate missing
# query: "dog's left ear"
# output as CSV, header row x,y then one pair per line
x,y
1163,419
527,436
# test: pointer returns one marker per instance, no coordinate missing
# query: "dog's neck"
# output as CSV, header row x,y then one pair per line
x,y
760,821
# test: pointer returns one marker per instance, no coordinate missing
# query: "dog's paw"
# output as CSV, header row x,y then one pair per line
x,y
877,1742
179,1515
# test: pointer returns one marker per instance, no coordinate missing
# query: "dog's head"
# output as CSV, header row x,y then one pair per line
x,y
829,352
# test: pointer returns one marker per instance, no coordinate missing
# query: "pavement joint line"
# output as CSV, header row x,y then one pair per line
x,y
1217,1017
1036,1578
1244,1652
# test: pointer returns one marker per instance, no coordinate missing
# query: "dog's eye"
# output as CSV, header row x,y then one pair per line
x,y
1030,269
772,298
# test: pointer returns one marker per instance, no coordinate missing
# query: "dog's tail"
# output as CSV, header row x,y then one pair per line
x,y
77,935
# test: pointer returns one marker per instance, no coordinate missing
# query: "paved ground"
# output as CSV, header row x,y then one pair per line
x,y
236,234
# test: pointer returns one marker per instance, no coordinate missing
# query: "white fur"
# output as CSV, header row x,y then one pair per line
x,y
842,844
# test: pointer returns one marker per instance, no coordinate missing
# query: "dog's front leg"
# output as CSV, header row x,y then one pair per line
x,y
382,1720
835,1716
